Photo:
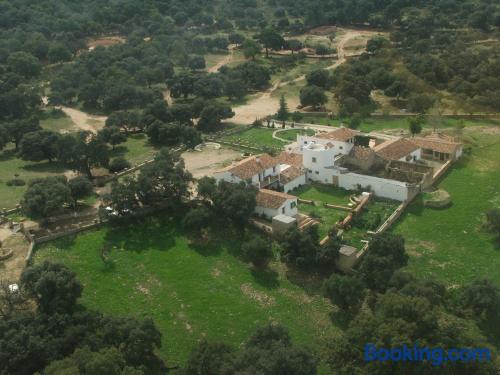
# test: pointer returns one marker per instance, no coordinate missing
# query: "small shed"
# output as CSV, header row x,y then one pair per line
x,y
281,223
347,258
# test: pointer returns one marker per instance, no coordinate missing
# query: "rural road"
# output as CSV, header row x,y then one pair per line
x,y
263,104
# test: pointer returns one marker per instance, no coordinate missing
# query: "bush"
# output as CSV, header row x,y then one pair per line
x,y
118,165
16,182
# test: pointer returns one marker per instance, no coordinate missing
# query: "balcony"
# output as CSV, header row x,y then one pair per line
x,y
268,181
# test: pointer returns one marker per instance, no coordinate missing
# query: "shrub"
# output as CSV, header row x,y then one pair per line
x,y
118,165
16,182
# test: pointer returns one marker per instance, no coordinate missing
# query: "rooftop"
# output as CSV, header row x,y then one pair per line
x,y
290,174
272,199
436,144
395,149
361,153
341,134
251,166
290,159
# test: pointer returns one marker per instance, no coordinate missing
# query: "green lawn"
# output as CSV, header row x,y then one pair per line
x,y
327,217
292,134
10,166
60,123
136,150
256,137
191,292
451,244
324,193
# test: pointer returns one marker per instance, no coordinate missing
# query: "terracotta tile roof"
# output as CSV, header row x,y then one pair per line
x,y
290,159
290,174
251,166
341,134
395,149
435,144
272,199
361,153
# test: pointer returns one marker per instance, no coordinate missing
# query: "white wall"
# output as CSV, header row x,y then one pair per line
x,y
415,155
226,176
270,212
301,180
338,147
382,187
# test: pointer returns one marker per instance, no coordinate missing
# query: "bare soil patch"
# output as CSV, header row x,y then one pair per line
x,y
207,162
105,41
260,297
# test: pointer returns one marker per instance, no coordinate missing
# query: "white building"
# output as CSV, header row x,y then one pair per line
x,y
271,203
260,171
340,140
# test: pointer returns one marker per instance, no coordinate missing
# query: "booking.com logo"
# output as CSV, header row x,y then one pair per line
x,y
436,356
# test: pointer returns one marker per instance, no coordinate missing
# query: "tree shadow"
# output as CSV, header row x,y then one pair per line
x,y
210,248
266,277
139,234
7,155
342,318
54,167
310,281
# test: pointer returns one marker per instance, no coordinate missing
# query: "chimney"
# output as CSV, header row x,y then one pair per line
x,y
257,159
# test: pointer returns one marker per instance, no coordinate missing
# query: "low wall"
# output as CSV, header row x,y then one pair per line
x,y
441,171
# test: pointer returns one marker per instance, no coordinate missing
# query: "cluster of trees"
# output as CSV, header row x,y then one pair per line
x,y
303,250
46,196
162,182
399,308
59,336
222,204
269,351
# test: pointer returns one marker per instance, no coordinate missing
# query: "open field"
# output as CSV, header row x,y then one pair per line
x,y
12,167
136,149
451,244
256,137
60,124
191,292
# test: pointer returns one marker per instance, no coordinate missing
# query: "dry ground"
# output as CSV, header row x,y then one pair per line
x,y
206,162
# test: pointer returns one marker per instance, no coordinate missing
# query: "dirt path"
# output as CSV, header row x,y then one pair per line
x,y
83,120
263,104
226,60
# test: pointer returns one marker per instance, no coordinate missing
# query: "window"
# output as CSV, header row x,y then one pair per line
x,y
305,142
341,147
283,210
310,171
317,172
314,160
293,205
274,169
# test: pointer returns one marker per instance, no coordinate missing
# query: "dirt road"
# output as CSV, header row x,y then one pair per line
x,y
263,104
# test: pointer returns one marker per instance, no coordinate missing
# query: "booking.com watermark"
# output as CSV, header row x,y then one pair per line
x,y
435,356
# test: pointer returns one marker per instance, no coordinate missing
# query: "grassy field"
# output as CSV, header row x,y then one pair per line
x,y
60,124
381,123
191,292
136,150
257,137
451,244
12,167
